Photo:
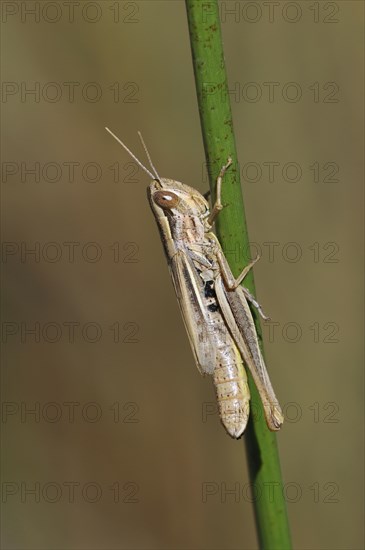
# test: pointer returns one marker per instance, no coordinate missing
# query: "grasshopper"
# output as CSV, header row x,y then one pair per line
x,y
213,303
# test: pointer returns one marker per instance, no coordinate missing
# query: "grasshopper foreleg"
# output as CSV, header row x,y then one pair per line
x,y
218,206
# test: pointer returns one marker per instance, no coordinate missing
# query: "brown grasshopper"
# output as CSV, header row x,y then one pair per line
x,y
214,306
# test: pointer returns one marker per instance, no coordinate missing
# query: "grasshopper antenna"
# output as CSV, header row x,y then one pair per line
x,y
148,155
132,155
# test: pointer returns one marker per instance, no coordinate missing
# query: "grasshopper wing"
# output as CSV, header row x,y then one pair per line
x,y
189,291
238,317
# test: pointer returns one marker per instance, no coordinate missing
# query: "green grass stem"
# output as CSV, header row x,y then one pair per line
x,y
219,143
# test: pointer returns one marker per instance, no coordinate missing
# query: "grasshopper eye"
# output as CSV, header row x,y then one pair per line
x,y
166,199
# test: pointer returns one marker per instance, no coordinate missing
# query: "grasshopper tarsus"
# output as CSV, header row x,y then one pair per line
x,y
218,206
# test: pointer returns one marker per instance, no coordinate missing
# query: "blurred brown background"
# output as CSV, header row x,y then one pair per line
x,y
124,449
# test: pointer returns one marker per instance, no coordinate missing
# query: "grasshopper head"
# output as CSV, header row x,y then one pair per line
x,y
175,199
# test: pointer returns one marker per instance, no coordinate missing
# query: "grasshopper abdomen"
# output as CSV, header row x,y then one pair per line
x,y
233,394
